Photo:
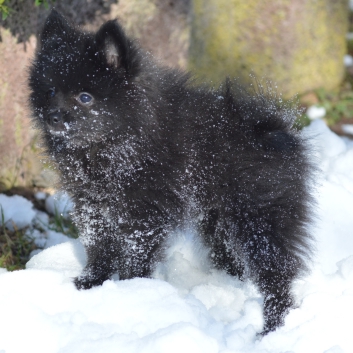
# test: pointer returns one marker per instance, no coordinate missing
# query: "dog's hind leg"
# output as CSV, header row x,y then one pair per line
x,y
273,267
220,240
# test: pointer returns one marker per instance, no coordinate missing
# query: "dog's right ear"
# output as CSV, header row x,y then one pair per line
x,y
117,49
55,25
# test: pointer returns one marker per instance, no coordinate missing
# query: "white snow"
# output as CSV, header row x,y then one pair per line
x,y
315,112
40,195
16,210
348,60
347,128
187,306
59,203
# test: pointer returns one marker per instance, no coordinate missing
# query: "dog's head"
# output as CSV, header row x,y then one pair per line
x,y
86,87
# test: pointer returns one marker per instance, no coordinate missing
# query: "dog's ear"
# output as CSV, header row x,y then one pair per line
x,y
55,26
117,49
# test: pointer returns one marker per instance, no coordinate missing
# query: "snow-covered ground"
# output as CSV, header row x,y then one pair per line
x,y
187,307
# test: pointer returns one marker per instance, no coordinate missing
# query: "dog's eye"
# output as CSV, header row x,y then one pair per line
x,y
85,98
51,93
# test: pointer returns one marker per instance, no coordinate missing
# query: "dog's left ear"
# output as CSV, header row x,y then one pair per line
x,y
118,50
55,27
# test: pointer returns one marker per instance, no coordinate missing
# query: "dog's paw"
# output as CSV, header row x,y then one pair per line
x,y
83,283
87,281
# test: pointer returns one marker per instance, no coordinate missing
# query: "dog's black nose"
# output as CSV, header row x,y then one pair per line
x,y
55,119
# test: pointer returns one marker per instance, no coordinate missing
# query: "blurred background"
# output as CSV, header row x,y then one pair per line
x,y
302,47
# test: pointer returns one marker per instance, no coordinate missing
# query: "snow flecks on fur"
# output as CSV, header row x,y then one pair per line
x,y
144,152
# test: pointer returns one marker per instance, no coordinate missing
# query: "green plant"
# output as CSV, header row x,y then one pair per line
x,y
62,225
15,246
42,2
5,10
58,223
338,104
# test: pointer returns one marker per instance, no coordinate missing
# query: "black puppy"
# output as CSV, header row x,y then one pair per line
x,y
142,150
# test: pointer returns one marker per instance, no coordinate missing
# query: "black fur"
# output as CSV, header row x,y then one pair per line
x,y
151,151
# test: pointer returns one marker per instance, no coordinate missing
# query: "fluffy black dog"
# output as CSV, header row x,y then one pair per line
x,y
142,150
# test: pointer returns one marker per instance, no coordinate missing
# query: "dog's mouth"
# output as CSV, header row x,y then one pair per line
x,y
67,133
60,129
59,123
72,136
74,132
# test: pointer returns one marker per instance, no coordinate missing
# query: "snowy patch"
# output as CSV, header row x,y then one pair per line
x,y
59,203
40,195
347,128
348,60
16,211
314,112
